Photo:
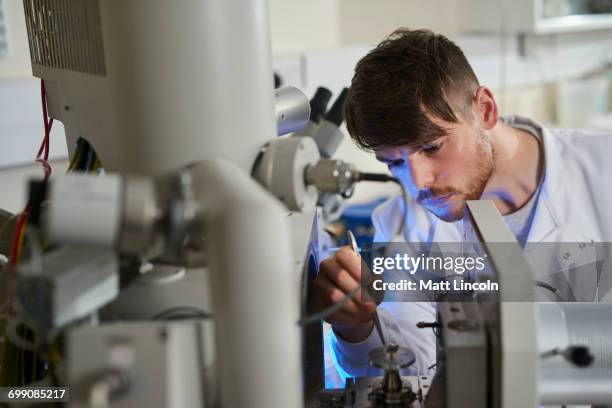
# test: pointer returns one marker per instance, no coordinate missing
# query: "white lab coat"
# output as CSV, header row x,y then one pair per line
x,y
574,206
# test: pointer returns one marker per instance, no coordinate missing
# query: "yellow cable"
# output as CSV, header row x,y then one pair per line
x,y
75,157
20,242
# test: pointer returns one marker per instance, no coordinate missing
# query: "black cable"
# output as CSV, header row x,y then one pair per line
x,y
91,159
81,164
76,155
550,288
379,177
182,312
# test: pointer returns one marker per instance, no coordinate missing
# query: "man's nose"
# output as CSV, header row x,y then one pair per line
x,y
421,172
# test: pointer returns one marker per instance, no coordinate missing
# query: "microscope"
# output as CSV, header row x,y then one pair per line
x,y
178,278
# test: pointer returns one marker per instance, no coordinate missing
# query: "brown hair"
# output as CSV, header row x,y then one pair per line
x,y
409,74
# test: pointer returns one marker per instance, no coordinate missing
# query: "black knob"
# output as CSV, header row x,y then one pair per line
x,y
580,356
318,104
37,195
335,114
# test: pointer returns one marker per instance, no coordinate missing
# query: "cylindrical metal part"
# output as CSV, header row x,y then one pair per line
x,y
140,215
318,105
85,210
332,176
575,324
257,327
292,110
281,171
575,387
392,385
110,211
590,324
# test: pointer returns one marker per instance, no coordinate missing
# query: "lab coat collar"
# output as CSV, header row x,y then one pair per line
x,y
553,217
556,218
546,225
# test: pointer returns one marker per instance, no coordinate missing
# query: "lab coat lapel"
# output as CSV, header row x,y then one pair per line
x,y
557,250
561,258
552,222
545,226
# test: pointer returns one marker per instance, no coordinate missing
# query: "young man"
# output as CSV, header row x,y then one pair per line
x,y
416,103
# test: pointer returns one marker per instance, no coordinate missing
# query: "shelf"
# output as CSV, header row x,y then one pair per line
x,y
573,23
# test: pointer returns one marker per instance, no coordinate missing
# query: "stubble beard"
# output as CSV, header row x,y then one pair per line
x,y
473,191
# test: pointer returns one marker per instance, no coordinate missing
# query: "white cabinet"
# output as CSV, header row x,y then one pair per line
x,y
534,16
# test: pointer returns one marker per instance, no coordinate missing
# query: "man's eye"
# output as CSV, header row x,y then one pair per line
x,y
431,148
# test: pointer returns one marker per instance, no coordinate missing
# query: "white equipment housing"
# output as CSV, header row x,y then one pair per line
x,y
154,85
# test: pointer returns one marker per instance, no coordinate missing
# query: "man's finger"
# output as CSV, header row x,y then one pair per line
x,y
350,261
347,282
330,294
342,278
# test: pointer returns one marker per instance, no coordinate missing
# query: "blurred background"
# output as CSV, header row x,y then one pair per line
x,y
546,59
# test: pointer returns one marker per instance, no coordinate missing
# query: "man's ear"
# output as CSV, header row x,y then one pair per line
x,y
485,108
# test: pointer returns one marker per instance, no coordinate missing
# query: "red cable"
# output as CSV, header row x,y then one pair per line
x,y
47,123
46,167
16,233
44,151
48,136
43,96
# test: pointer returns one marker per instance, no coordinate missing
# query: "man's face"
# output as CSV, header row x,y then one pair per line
x,y
442,175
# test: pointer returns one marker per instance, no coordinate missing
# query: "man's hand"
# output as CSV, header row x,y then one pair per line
x,y
338,276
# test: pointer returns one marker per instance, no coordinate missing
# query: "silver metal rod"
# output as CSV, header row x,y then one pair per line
x,y
377,324
379,328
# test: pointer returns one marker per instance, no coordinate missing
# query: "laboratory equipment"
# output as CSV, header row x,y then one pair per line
x,y
186,122
511,352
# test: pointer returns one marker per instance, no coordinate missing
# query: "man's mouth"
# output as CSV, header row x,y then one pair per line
x,y
437,200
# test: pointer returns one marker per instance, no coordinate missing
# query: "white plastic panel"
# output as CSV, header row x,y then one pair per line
x,y
85,210
21,124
